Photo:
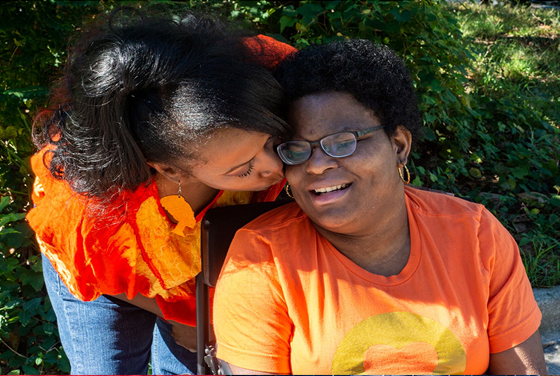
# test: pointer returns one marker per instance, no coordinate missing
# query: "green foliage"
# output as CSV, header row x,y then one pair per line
x,y
27,321
33,39
488,82
515,82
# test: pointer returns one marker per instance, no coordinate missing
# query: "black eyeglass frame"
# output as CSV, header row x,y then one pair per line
x,y
358,135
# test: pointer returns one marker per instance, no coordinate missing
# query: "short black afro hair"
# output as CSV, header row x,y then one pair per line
x,y
372,73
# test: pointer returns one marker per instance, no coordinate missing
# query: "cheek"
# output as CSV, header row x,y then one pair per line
x,y
293,175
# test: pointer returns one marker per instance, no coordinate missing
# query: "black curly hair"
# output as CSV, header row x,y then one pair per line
x,y
142,88
372,73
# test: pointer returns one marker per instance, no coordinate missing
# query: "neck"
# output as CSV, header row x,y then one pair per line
x,y
197,194
384,249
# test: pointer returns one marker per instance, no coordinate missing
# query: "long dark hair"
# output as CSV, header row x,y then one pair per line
x,y
142,89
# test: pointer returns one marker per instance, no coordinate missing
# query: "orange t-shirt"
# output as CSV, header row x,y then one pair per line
x,y
288,302
130,247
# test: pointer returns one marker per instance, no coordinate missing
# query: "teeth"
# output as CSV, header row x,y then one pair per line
x,y
330,189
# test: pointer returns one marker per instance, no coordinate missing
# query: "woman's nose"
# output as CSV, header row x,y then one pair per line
x,y
273,166
319,162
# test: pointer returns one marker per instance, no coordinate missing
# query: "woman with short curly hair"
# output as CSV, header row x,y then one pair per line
x,y
365,274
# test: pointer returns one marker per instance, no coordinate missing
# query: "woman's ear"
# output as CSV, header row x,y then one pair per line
x,y
166,170
402,141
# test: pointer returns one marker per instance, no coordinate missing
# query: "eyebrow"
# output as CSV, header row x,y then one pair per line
x,y
236,167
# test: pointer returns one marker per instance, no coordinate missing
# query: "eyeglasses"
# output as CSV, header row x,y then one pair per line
x,y
338,145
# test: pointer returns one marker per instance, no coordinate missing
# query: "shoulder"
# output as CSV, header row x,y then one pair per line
x,y
436,203
274,235
284,219
440,213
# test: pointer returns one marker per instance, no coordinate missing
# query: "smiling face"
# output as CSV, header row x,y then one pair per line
x,y
354,194
238,160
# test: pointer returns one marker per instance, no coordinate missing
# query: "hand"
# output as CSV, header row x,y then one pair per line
x,y
184,335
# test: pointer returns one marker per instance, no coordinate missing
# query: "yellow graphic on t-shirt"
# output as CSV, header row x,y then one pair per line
x,y
399,343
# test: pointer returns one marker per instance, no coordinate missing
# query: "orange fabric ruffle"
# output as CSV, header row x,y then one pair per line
x,y
128,249
267,51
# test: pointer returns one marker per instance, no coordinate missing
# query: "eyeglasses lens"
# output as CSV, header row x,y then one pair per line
x,y
339,144
336,145
294,152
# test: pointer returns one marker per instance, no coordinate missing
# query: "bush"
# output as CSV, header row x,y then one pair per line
x,y
484,138
33,41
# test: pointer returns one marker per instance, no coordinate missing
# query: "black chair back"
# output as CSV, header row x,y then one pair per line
x,y
218,228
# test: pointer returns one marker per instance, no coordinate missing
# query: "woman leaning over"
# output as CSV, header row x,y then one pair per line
x,y
154,122
364,274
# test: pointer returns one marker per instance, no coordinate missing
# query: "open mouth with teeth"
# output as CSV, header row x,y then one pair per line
x,y
322,191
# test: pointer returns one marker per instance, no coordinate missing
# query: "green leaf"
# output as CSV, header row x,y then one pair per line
x,y
8,230
475,173
417,181
436,86
4,201
30,370
403,16
332,4
430,118
48,328
6,355
32,305
520,172
11,217
24,318
64,364
11,304
50,341
309,11
555,200
524,241
286,21
28,92
33,279
289,11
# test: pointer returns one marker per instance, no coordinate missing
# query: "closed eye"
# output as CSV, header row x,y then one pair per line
x,y
248,171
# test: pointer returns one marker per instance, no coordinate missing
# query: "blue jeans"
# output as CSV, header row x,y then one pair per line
x,y
110,337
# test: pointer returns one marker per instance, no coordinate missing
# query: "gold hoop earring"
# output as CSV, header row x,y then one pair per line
x,y
287,189
407,173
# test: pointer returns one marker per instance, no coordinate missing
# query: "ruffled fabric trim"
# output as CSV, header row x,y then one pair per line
x,y
128,249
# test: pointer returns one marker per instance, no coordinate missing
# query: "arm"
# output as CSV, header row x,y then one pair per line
x,y
243,371
183,334
525,359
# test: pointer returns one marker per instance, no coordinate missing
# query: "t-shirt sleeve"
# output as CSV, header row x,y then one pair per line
x,y
513,313
251,320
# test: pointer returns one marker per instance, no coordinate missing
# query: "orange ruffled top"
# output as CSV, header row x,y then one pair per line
x,y
129,248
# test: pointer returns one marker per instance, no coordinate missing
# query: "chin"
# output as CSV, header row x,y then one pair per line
x,y
332,223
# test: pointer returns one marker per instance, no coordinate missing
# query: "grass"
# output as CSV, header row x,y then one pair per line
x,y
517,57
517,54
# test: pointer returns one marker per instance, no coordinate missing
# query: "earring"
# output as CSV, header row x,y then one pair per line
x,y
287,189
407,173
180,211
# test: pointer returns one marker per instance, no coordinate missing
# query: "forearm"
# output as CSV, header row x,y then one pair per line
x,y
141,301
